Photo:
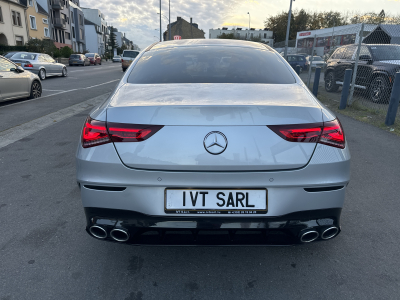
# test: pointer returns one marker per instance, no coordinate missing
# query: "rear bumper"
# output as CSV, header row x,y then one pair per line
x,y
196,231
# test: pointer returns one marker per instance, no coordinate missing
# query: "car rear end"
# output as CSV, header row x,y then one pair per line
x,y
128,56
26,60
91,57
259,162
76,60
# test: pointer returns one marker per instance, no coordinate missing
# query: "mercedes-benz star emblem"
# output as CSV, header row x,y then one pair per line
x,y
215,142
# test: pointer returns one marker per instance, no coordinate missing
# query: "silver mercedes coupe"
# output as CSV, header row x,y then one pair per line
x,y
212,142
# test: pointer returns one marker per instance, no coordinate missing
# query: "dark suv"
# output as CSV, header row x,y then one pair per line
x,y
377,67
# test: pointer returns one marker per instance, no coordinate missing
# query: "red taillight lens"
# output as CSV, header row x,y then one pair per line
x,y
333,134
131,132
307,133
122,60
28,65
329,133
94,133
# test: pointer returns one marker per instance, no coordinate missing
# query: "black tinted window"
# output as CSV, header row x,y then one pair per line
x,y
75,56
386,52
210,65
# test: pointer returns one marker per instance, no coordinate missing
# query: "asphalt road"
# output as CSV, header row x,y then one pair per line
x,y
45,252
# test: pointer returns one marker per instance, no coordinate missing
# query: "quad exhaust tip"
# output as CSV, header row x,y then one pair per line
x,y
119,234
309,236
98,232
329,233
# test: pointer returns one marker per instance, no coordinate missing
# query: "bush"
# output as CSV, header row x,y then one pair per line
x,y
5,49
41,46
66,51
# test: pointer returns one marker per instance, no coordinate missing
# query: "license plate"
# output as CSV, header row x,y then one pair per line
x,y
75,62
18,64
216,201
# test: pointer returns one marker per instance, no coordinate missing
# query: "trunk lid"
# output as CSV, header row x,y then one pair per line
x,y
190,112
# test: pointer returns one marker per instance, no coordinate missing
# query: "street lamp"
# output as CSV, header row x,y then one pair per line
x,y
160,21
287,30
169,25
249,24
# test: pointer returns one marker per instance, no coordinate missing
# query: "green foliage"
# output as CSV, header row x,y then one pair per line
x,y
113,39
66,51
41,46
4,49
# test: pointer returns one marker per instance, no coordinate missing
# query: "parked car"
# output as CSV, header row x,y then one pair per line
x,y
300,60
79,60
377,67
128,56
116,58
39,63
95,59
317,61
16,83
214,142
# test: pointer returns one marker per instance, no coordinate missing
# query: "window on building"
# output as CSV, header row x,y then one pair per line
x,y
30,2
46,32
67,35
45,21
81,20
19,40
73,31
265,35
1,16
72,17
33,22
16,18
81,34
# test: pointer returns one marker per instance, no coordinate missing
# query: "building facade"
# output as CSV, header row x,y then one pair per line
x,y
184,29
265,35
95,19
60,29
37,20
13,27
77,27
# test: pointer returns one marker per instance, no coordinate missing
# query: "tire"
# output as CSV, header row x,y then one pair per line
x,y
379,90
64,72
123,69
100,63
95,63
330,83
36,90
42,74
70,65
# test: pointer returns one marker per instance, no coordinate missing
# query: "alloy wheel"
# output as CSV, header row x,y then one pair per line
x,y
36,90
378,90
42,74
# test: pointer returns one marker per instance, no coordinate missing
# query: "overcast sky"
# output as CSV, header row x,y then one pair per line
x,y
139,19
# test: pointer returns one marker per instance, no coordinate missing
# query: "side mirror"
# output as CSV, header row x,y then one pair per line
x,y
20,69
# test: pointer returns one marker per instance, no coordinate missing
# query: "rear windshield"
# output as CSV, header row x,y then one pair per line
x,y
8,55
132,54
75,56
386,52
210,65
89,54
21,55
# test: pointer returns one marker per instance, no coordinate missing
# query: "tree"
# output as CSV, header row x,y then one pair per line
x,y
41,46
113,39
66,51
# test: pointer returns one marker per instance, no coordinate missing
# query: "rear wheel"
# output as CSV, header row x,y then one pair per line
x,y
36,90
64,72
379,90
330,83
100,63
123,69
42,74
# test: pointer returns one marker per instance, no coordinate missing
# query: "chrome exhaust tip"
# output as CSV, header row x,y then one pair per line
x,y
119,234
309,236
329,233
98,232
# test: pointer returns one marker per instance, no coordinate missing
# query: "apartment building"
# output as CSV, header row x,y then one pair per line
x,y
96,30
77,27
37,20
13,31
59,15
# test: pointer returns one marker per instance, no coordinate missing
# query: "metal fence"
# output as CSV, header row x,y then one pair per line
x,y
372,52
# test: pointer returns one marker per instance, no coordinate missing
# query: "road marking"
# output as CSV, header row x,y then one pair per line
x,y
16,133
53,90
26,101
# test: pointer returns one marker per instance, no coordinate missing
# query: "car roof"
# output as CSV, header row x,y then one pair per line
x,y
207,42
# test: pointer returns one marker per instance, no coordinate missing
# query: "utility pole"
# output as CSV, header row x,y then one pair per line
x,y
160,22
169,19
287,30
249,24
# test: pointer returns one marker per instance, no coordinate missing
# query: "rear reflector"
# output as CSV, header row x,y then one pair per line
x,y
94,133
97,133
131,132
28,65
329,133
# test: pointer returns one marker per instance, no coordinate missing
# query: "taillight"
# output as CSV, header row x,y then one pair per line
x,y
333,134
97,133
329,133
122,60
94,133
28,65
131,132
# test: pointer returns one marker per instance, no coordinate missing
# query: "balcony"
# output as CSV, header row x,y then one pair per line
x,y
59,23
57,4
